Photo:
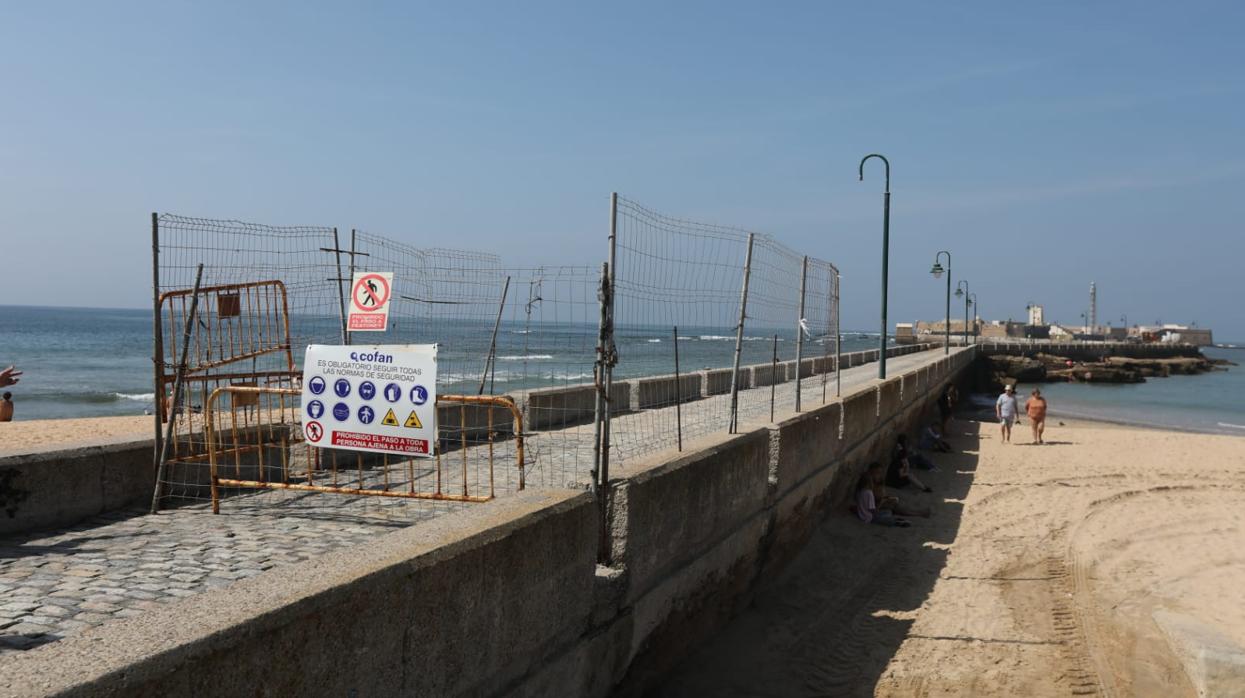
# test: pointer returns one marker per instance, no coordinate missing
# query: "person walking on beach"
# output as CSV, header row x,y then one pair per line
x,y
1008,411
6,408
1036,409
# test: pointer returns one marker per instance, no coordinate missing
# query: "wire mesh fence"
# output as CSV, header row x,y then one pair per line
x,y
699,327
738,299
268,292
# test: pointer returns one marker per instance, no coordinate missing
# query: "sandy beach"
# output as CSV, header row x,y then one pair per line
x,y
35,435
1101,563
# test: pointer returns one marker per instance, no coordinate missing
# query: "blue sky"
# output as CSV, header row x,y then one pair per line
x,y
1047,145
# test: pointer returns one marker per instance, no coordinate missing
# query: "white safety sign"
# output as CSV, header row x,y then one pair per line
x,y
371,398
370,292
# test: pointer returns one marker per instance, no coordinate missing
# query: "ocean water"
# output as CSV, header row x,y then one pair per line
x,y
1211,402
87,362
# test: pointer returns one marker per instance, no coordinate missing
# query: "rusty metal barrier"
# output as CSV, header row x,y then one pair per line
x,y
285,434
241,337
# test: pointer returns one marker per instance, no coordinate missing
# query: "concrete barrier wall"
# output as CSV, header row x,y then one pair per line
x,y
474,602
718,381
660,391
65,486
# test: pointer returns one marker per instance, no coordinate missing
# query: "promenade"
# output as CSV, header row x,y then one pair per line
x,y
119,565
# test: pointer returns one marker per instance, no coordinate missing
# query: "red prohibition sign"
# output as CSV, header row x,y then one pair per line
x,y
314,431
367,289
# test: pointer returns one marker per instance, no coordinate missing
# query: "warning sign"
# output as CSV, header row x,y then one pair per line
x,y
342,384
369,301
391,419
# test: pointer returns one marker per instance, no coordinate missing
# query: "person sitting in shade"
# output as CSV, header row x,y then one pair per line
x,y
899,474
866,507
914,456
931,440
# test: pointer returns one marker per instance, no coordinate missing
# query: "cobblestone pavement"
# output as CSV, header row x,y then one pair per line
x,y
119,565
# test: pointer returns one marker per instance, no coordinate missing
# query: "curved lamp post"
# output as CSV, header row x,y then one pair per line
x,y
961,290
886,241
937,271
972,300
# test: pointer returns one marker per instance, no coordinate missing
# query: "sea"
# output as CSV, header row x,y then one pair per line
x,y
90,362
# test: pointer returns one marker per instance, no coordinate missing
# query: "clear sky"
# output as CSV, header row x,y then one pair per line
x,y
1046,145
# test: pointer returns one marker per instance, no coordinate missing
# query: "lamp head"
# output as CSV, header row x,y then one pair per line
x,y
959,292
936,270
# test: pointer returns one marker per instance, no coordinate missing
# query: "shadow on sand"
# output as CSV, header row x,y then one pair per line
x,y
831,622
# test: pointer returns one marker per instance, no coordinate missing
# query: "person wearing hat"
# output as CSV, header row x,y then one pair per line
x,y
1008,411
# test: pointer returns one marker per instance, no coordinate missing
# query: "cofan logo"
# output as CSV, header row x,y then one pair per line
x,y
371,356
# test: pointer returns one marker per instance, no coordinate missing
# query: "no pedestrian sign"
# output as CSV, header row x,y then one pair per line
x,y
370,292
371,398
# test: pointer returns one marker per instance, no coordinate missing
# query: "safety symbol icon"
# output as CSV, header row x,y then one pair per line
x,y
390,420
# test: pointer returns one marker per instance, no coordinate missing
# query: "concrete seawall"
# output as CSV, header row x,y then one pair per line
x,y
65,486
506,597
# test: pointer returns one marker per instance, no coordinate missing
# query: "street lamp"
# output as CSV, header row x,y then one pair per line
x,y
937,271
961,289
1084,326
886,241
972,300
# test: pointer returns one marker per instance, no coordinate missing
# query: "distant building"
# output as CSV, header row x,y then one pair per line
x,y
1200,336
1036,315
999,329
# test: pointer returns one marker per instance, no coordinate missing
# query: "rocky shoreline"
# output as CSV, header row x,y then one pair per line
x,y
1049,368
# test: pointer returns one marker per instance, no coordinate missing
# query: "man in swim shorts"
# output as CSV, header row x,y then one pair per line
x,y
1008,411
1036,409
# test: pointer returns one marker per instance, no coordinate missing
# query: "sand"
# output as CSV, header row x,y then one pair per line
x,y
38,435
1103,563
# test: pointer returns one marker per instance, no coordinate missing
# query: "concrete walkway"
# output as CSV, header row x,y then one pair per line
x,y
53,583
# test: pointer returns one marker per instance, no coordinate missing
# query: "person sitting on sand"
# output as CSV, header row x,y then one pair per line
x,y
899,474
1036,409
914,457
886,500
931,440
9,376
866,505
6,408
1007,410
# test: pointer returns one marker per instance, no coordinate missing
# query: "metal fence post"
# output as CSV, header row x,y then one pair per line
x,y
678,391
609,361
490,360
825,354
773,378
799,333
838,338
177,390
739,337
350,278
157,337
341,294
598,378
